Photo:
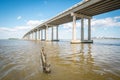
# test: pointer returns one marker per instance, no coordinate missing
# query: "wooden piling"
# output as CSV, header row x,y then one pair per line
x,y
45,65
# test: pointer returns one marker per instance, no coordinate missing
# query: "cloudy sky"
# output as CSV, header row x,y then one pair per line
x,y
19,16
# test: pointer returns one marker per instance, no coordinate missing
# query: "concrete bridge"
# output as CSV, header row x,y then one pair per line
x,y
83,10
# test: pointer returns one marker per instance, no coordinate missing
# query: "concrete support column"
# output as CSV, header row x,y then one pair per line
x,y
57,33
32,35
38,34
29,36
52,34
46,33
89,29
74,29
82,29
41,35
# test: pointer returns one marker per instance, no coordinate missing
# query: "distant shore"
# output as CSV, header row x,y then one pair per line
x,y
67,39
13,39
104,38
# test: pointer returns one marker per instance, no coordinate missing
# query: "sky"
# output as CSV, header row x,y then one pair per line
x,y
17,17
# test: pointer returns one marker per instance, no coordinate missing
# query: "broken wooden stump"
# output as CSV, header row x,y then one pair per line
x,y
45,65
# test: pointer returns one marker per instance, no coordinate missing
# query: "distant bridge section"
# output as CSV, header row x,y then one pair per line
x,y
83,10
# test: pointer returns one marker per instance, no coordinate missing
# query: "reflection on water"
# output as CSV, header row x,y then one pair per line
x,y
20,60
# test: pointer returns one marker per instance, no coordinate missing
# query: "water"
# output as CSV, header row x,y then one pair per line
x,y
20,60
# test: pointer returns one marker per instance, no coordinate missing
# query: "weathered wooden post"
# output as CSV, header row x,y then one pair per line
x,y
45,65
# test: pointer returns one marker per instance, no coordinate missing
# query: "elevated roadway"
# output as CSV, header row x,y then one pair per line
x,y
85,9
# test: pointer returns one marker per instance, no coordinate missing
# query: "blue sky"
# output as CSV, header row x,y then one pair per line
x,y
19,16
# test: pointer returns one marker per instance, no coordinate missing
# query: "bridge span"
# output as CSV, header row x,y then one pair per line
x,y
83,10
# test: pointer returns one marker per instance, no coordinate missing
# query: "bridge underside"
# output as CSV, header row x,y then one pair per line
x,y
95,9
80,11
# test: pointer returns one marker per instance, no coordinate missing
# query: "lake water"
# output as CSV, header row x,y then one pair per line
x,y
20,60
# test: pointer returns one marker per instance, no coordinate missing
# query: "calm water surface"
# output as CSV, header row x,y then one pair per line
x,y
20,60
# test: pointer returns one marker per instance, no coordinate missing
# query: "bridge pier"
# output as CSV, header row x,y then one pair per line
x,y
46,33
52,34
38,34
32,35
87,7
27,37
74,40
74,31
57,33
35,34
89,29
42,35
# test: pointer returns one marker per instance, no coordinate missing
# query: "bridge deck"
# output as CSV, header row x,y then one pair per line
x,y
89,8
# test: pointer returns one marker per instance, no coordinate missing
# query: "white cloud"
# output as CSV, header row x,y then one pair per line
x,y
15,32
34,23
67,26
19,17
17,28
117,17
78,24
106,22
18,31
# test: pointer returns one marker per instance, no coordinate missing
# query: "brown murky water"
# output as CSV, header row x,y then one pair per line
x,y
20,60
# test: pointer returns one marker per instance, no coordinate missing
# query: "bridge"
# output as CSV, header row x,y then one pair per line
x,y
83,10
